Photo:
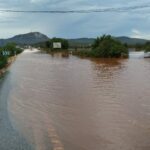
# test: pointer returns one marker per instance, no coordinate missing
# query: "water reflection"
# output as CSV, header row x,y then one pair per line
x,y
106,70
64,54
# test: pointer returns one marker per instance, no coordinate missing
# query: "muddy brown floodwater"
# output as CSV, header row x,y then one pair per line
x,y
68,103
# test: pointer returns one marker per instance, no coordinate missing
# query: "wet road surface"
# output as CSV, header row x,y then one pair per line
x,y
10,139
68,103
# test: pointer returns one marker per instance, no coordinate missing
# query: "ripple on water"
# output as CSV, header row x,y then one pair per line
x,y
72,103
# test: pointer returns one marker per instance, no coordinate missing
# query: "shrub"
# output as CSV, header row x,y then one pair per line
x,y
64,42
12,48
107,47
147,47
3,62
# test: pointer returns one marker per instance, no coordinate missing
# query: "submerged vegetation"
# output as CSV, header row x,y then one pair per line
x,y
105,47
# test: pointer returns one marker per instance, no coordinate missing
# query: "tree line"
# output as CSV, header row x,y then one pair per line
x,y
104,46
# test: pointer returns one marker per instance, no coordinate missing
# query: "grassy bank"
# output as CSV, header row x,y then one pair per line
x,y
7,56
6,64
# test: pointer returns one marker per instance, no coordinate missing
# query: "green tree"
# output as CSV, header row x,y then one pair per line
x,y
12,48
64,43
147,47
106,47
48,44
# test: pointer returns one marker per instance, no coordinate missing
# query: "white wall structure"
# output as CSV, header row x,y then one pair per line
x,y
57,45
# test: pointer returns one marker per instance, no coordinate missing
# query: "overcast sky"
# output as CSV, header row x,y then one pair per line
x,y
133,23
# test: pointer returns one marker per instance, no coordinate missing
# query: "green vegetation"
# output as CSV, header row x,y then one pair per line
x,y
141,47
147,47
3,61
64,44
136,47
12,49
105,47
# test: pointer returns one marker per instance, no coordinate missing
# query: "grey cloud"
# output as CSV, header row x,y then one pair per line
x,y
74,25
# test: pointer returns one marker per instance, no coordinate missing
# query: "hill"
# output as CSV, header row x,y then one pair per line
x,y
89,41
80,42
131,41
25,39
37,37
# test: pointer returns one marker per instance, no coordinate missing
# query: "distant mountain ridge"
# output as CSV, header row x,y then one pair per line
x,y
25,39
37,37
131,41
122,39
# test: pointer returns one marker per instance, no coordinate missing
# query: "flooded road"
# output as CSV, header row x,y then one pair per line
x,y
68,103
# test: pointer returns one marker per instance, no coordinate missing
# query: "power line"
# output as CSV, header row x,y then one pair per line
x,y
100,10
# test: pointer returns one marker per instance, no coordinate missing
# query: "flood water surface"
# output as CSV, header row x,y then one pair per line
x,y
69,103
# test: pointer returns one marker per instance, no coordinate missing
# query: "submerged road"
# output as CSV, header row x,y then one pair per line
x,y
10,139
60,102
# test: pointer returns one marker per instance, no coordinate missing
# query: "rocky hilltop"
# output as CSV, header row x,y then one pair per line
x,y
25,39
